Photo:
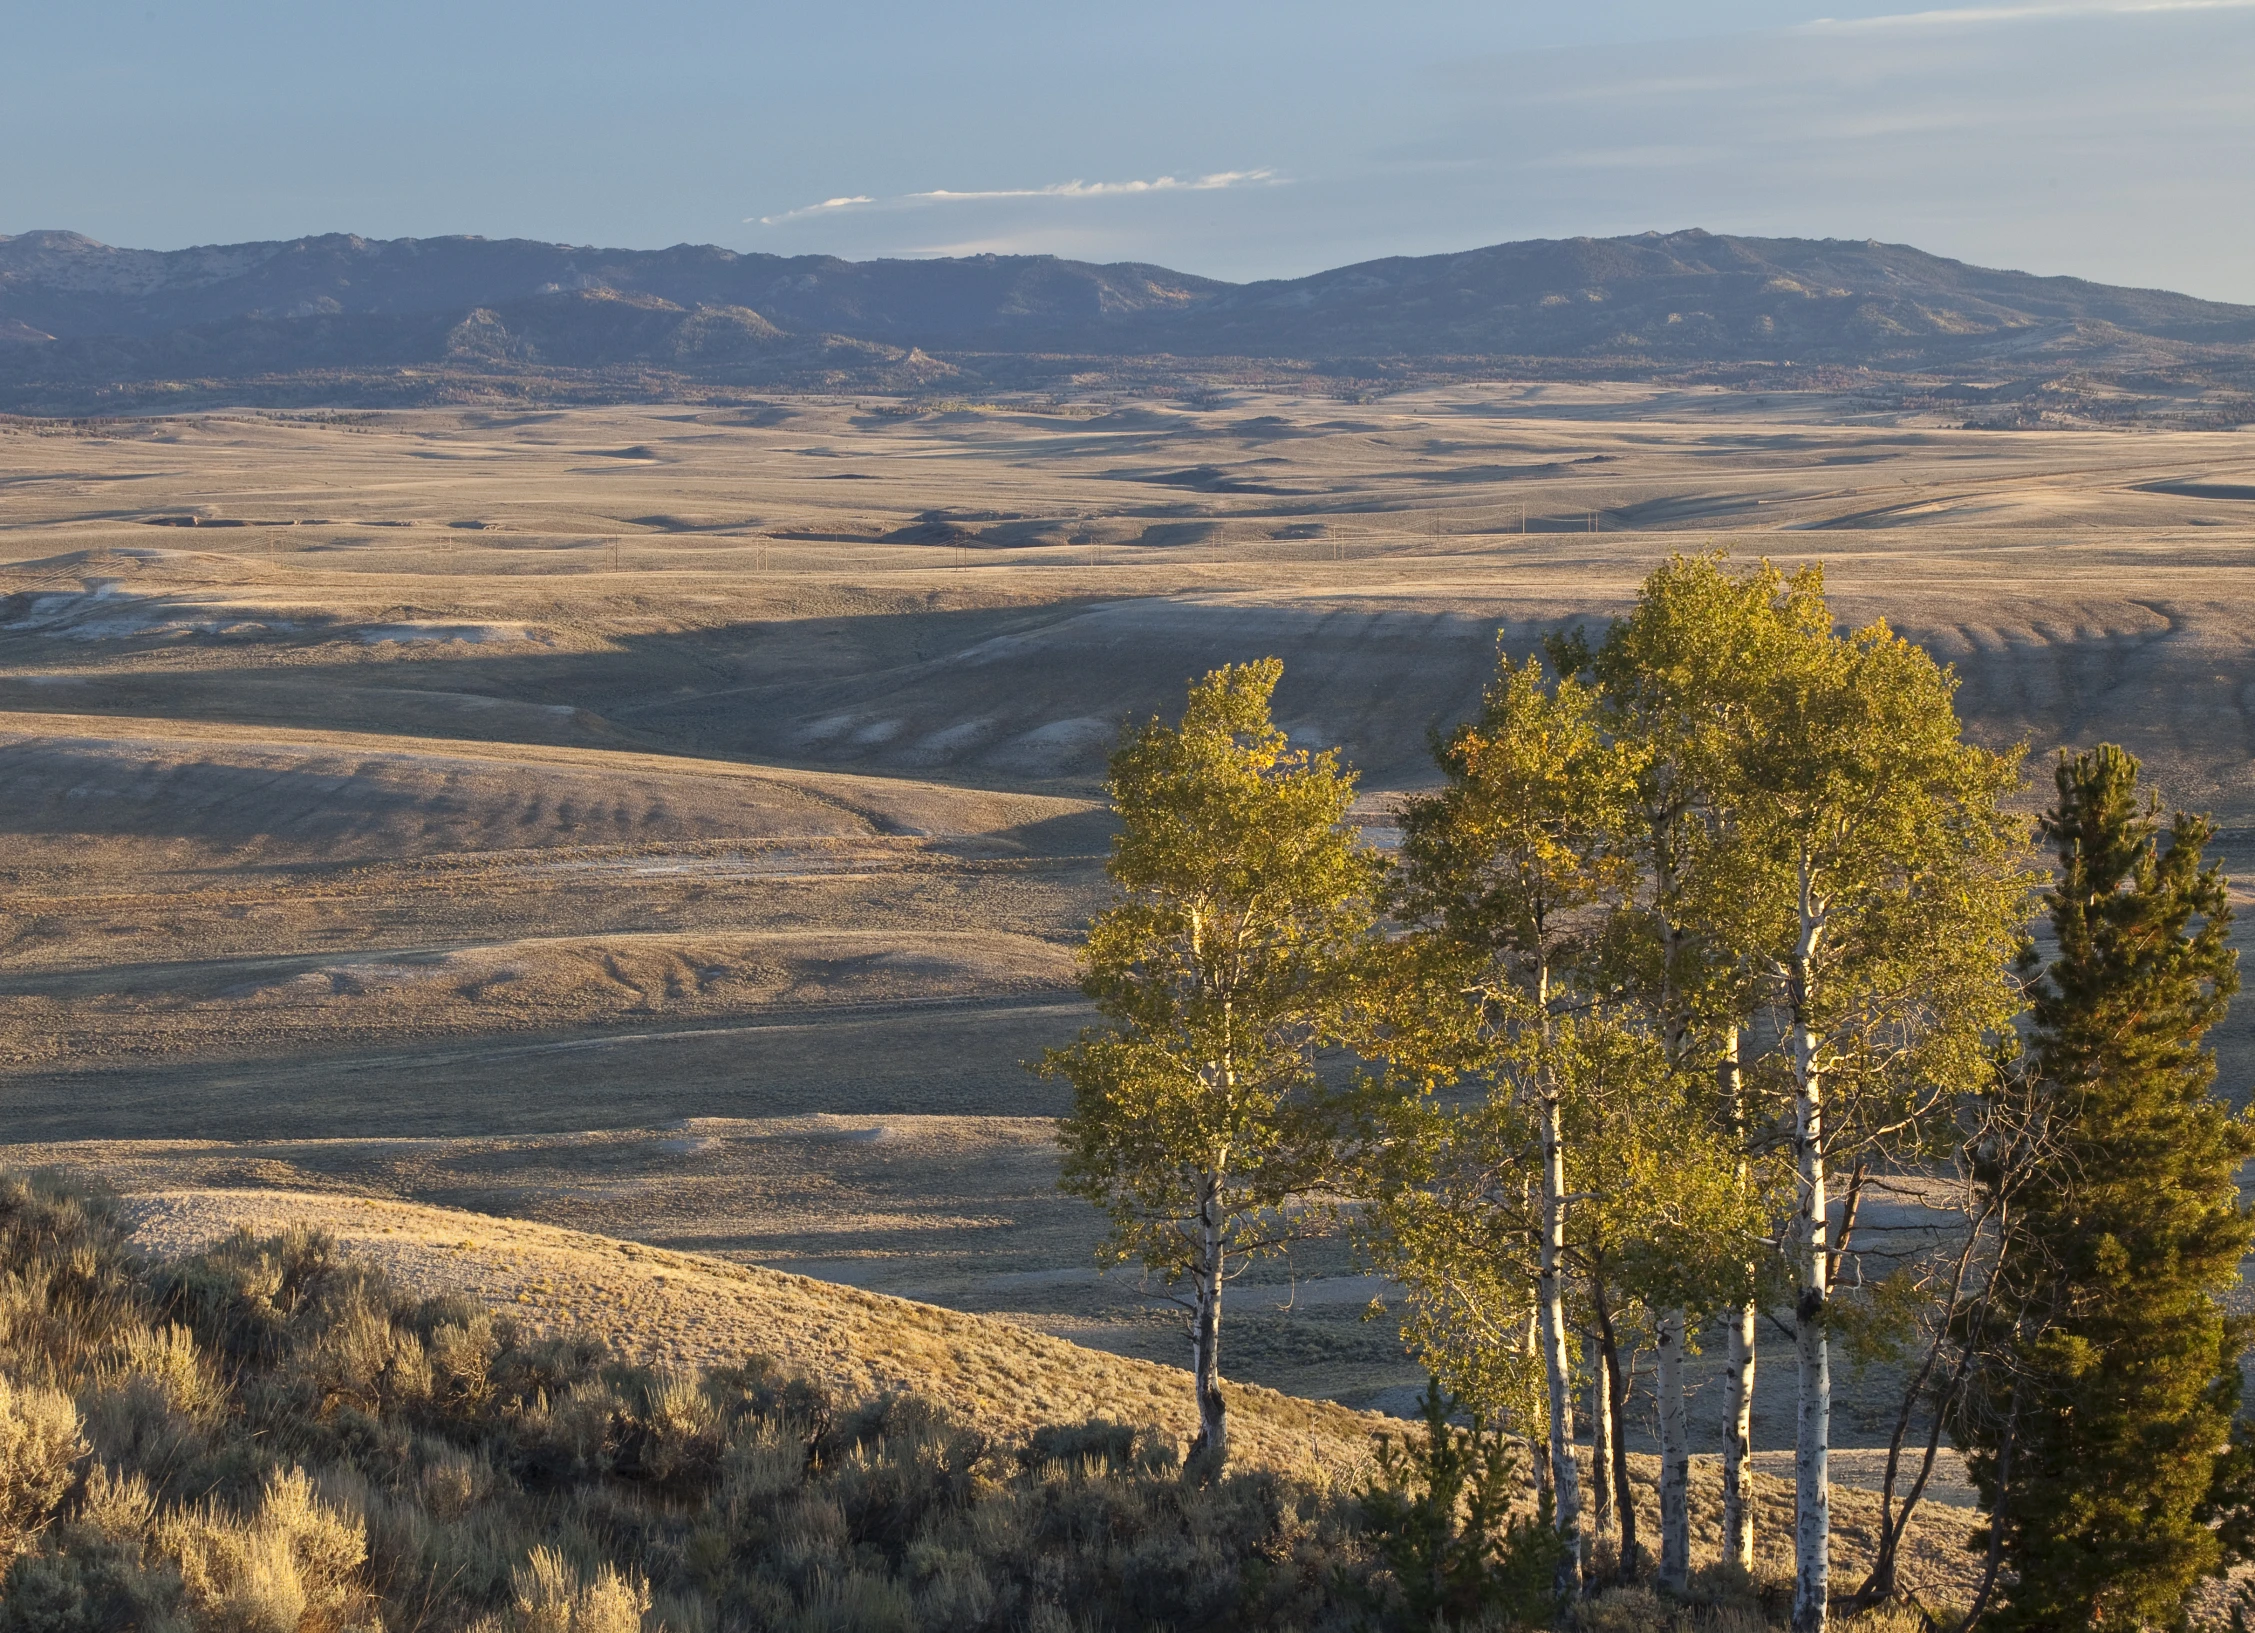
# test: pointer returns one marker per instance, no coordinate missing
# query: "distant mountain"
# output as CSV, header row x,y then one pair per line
x,y
1692,295
347,319
72,288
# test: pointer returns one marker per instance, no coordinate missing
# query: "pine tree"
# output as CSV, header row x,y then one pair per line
x,y
2109,1379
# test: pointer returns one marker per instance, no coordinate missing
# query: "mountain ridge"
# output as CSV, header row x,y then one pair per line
x,y
339,317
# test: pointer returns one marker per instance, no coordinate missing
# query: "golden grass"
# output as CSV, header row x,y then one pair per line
x,y
681,1310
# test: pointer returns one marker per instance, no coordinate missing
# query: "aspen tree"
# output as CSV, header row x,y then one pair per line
x,y
1455,1222
1498,868
1609,1052
1601,1433
1243,907
1748,829
1739,1341
1655,1209
1682,677
1664,1228
1877,890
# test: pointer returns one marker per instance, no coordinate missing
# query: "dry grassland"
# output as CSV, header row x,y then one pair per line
x,y
955,1211
678,1310
508,789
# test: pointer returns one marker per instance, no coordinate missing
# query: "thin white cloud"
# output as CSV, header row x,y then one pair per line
x,y
846,203
2044,11
1101,189
1214,182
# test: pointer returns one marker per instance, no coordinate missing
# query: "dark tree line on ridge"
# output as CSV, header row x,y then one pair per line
x,y
1714,934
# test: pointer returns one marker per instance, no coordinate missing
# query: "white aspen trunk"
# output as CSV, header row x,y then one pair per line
x,y
1600,1441
1738,1365
1558,1369
1812,1428
1531,1342
1675,1456
1210,1451
1738,1442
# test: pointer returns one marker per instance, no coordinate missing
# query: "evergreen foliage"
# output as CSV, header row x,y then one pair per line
x,y
1439,1514
2109,1372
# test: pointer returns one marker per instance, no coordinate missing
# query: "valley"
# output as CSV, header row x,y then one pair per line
x,y
676,822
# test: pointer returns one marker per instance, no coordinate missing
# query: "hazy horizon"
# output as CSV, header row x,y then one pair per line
x,y
1124,260
2102,139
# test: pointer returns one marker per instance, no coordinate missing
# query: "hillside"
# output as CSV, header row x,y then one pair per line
x,y
264,1410
340,319
739,763
686,1312
669,829
1695,296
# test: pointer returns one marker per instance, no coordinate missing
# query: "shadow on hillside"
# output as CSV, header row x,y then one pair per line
x,y
1012,698
1034,697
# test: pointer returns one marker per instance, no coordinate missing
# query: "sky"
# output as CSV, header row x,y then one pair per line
x,y
2111,139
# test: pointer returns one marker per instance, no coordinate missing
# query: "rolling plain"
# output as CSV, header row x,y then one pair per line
x,y
676,824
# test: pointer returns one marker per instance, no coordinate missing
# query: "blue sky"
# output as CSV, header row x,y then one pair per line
x,y
2114,139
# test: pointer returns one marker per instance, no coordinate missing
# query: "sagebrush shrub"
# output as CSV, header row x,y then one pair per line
x,y
290,1566
553,1597
40,1445
276,1441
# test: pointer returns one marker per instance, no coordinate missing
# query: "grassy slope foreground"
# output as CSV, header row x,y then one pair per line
x,y
689,1313
321,1429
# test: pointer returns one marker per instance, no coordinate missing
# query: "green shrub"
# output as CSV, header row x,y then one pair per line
x,y
1439,1514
